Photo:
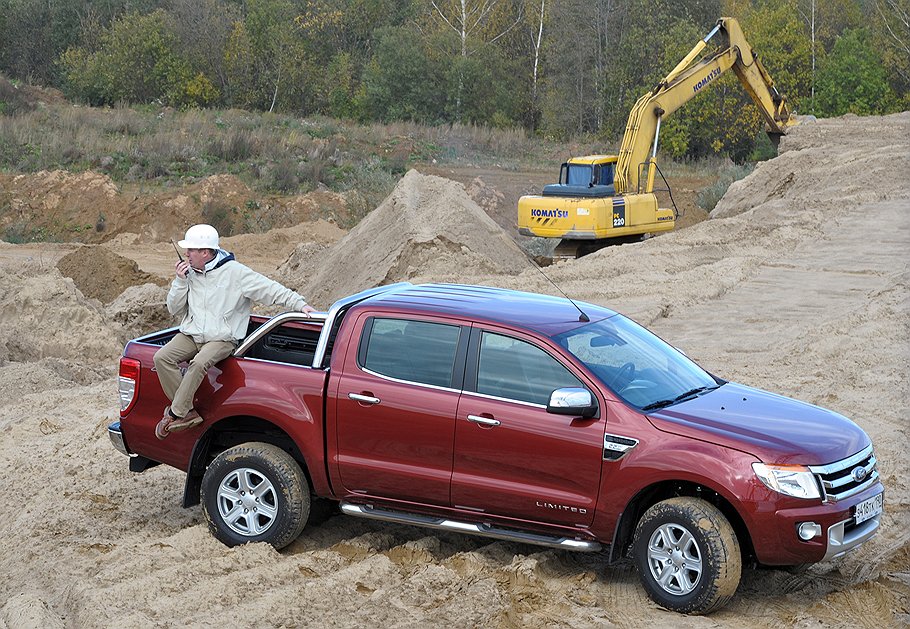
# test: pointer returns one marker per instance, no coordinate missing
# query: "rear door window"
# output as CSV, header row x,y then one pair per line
x,y
413,351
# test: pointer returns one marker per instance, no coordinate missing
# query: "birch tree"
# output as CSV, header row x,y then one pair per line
x,y
479,21
809,17
536,41
894,23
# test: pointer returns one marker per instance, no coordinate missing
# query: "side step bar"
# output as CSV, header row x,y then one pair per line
x,y
486,530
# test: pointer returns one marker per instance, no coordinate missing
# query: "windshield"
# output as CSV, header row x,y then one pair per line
x,y
579,175
639,367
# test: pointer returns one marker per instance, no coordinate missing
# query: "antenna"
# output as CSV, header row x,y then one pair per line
x,y
581,313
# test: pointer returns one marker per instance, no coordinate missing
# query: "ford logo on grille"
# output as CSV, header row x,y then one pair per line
x,y
858,474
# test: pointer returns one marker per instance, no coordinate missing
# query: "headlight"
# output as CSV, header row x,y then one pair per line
x,y
790,480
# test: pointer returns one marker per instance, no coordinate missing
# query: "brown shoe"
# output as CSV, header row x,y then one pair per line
x,y
170,423
190,420
161,428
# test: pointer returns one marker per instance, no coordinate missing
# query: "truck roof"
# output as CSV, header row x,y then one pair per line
x,y
544,314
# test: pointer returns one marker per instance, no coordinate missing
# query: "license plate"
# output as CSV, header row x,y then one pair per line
x,y
869,508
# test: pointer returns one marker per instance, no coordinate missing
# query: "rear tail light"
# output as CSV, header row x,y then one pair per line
x,y
128,383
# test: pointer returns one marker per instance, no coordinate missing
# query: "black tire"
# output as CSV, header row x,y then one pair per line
x,y
687,555
255,492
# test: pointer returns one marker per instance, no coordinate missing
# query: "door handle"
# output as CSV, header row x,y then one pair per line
x,y
365,399
483,421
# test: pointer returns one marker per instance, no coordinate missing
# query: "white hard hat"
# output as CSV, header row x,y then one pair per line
x,y
200,237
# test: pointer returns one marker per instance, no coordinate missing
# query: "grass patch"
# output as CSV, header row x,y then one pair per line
x,y
272,153
20,233
708,197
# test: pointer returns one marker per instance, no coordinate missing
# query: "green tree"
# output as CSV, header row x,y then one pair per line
x,y
266,59
852,79
476,24
565,85
493,92
342,88
340,38
136,61
602,55
202,28
402,81
34,33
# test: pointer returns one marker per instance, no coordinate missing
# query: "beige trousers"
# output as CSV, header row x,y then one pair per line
x,y
181,389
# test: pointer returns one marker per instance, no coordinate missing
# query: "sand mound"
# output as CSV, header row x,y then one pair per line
x,y
141,310
45,315
100,273
279,244
428,224
826,171
27,611
485,196
829,164
301,265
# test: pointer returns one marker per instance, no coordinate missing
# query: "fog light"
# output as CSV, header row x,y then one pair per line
x,y
808,530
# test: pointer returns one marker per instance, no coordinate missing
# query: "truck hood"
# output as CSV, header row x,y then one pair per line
x,y
774,428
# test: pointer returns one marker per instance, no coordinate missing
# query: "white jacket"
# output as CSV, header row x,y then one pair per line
x,y
215,304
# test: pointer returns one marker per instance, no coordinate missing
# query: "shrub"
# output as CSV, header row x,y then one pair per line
x,y
282,175
238,146
21,232
220,216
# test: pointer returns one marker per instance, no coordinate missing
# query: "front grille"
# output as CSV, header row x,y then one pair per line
x,y
850,476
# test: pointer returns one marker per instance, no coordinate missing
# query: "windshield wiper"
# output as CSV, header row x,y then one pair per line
x,y
678,398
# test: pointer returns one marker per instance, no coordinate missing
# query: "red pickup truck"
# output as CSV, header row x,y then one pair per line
x,y
515,416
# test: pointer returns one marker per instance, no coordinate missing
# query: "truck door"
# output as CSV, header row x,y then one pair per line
x,y
395,408
511,456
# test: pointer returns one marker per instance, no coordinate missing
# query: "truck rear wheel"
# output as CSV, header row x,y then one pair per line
x,y
687,555
255,492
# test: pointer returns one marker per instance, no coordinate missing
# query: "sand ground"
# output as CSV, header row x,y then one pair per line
x,y
798,284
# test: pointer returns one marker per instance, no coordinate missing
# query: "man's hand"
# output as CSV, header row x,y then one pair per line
x,y
307,310
182,268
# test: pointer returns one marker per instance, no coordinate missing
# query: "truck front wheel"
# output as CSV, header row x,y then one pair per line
x,y
687,555
255,492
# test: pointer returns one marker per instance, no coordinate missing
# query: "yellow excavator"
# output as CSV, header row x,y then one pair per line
x,y
609,199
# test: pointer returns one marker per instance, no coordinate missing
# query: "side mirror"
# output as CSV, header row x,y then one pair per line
x,y
573,401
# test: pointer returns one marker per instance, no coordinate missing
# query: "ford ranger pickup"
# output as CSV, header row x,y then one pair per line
x,y
515,416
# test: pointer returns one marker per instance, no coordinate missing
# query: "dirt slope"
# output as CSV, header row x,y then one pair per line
x,y
89,207
790,290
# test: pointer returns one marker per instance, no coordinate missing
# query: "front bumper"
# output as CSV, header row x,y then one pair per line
x,y
116,435
777,543
844,536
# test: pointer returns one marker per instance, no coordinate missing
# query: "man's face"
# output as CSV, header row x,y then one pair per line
x,y
198,257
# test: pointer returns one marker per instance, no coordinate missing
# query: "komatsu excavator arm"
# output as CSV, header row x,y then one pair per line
x,y
639,144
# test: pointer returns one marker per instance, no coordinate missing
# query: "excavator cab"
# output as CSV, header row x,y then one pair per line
x,y
597,173
590,176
